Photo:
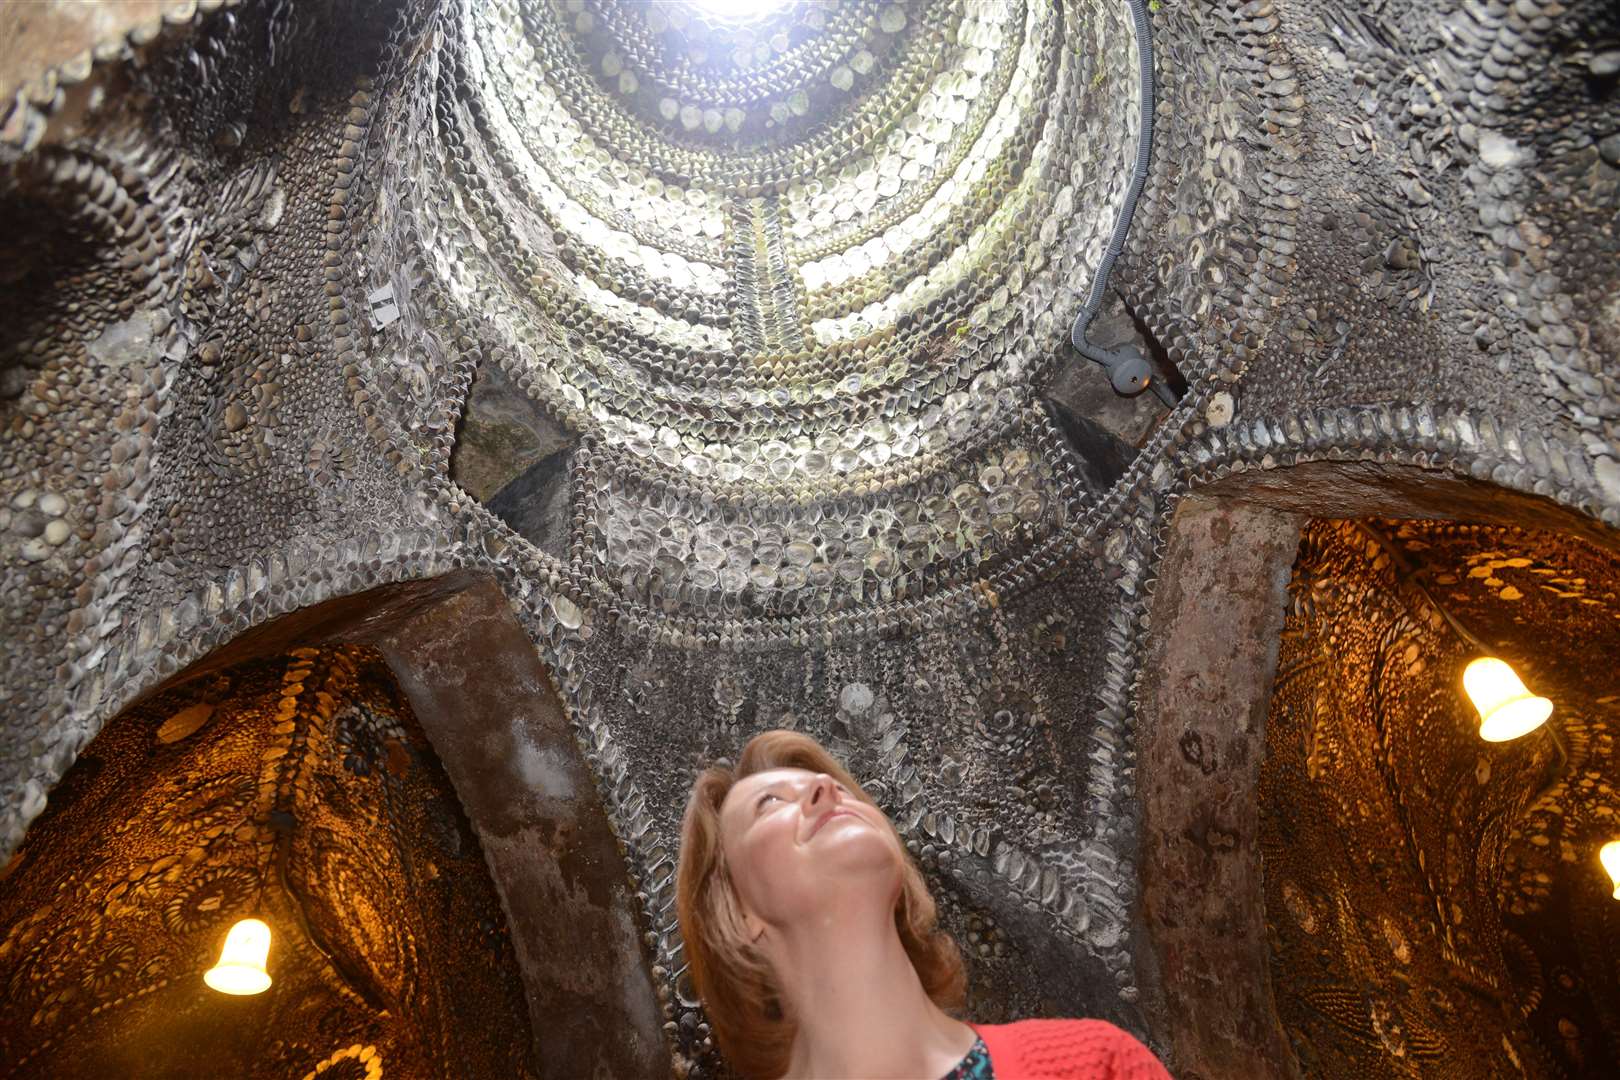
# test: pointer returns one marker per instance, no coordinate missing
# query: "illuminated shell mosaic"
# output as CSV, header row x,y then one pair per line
x,y
737,351
786,345
1403,922
298,788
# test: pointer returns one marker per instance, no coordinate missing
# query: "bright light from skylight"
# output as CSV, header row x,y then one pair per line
x,y
739,10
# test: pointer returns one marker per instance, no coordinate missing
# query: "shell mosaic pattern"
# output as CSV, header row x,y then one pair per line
x,y
757,356
299,789
1454,913
788,288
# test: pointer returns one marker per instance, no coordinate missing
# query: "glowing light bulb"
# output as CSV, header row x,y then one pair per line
x,y
1610,854
241,962
1507,709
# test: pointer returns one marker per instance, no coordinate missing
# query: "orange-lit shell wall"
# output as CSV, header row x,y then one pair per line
x,y
299,790
1435,901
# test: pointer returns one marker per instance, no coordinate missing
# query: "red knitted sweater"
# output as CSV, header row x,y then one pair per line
x,y
1067,1050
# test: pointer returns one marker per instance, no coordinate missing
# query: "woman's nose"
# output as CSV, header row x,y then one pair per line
x,y
821,790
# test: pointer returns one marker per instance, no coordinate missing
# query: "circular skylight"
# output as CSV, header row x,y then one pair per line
x,y
739,10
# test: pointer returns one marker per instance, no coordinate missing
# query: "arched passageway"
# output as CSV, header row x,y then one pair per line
x,y
300,789
1340,877
388,781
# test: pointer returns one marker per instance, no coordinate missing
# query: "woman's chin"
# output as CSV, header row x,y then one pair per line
x,y
858,850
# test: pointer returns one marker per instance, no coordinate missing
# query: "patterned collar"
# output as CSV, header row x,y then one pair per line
x,y
975,1066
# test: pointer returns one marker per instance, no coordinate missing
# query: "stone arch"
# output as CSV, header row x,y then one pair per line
x,y
437,672
1205,691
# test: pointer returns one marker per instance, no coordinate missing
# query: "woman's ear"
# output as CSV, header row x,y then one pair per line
x,y
742,917
753,926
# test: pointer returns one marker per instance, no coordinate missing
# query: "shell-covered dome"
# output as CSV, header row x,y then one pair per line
x,y
778,271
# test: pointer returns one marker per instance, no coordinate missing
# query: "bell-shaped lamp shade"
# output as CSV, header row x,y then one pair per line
x,y
241,963
1506,708
1610,854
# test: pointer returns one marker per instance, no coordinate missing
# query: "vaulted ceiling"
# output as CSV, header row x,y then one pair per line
x,y
738,351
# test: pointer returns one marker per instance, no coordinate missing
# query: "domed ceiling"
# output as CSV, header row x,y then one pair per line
x,y
791,279
733,343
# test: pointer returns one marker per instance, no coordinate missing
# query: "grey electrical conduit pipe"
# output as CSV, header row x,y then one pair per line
x,y
1128,370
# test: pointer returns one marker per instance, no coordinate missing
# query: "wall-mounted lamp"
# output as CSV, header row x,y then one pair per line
x,y
241,962
1610,854
1507,709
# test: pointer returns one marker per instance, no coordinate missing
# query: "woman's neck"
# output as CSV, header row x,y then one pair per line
x,y
860,1008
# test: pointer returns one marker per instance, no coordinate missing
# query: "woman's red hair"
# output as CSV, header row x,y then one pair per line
x,y
735,982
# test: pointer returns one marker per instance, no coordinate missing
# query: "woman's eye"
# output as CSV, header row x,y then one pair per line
x,y
762,798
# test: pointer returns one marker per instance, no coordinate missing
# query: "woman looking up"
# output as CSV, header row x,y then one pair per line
x,y
811,938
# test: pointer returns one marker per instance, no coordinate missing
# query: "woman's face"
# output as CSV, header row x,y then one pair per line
x,y
799,844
